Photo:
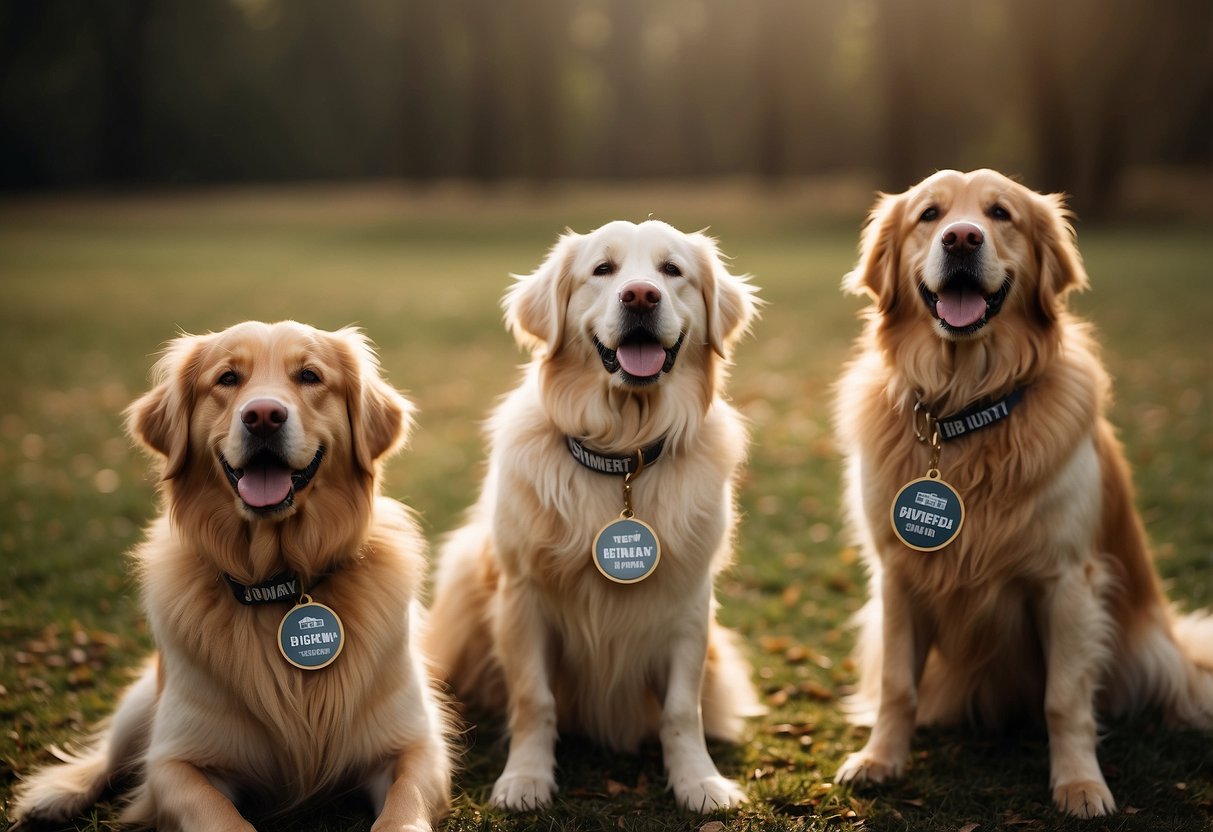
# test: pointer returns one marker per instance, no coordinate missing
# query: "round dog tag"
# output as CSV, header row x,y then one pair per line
x,y
626,551
311,635
927,514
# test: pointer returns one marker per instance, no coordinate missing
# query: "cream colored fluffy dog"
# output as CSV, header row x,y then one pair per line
x,y
1045,601
631,327
271,438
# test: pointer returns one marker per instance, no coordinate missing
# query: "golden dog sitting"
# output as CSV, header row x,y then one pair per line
x,y
278,585
973,384
579,595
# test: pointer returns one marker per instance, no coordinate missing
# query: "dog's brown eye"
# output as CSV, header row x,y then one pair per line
x,y
670,269
998,212
929,215
605,268
228,379
309,377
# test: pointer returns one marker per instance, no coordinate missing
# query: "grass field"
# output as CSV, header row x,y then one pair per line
x,y
90,287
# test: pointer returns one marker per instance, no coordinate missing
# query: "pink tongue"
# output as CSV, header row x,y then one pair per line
x,y
264,486
961,307
641,360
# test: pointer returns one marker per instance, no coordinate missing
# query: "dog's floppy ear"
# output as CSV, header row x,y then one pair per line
x,y
159,420
876,273
535,303
380,417
1061,267
730,299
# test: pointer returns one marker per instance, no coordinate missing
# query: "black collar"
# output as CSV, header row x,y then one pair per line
x,y
285,586
980,416
610,464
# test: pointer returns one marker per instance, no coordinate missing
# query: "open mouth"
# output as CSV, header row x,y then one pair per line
x,y
960,306
640,358
266,484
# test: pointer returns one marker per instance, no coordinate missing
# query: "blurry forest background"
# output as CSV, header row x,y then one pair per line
x,y
1069,95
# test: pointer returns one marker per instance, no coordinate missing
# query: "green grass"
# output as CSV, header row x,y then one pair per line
x,y
90,287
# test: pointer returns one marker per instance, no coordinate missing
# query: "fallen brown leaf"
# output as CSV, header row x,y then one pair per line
x,y
795,654
790,730
816,690
774,644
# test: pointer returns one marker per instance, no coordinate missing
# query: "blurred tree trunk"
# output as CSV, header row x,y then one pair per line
x,y
1090,68
900,159
542,49
486,94
123,29
773,51
1142,57
419,126
1050,112
626,121
1104,168
20,163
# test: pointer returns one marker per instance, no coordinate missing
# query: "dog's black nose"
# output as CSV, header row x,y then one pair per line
x,y
261,417
962,238
640,296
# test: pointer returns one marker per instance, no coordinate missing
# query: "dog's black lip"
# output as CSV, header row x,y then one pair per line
x,y
638,335
610,360
299,478
994,302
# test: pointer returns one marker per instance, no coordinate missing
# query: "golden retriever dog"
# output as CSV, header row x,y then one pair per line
x,y
270,438
1040,597
631,328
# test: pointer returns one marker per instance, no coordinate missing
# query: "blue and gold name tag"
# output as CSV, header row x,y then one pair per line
x,y
311,635
927,514
626,551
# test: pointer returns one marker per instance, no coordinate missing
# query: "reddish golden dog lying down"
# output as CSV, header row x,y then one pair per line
x,y
271,439
631,326
1042,594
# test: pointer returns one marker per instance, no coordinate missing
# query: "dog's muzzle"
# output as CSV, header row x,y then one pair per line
x,y
266,484
640,357
960,306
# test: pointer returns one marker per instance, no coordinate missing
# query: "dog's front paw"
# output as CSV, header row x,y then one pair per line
x,y
51,805
519,792
866,767
1084,798
709,794
50,813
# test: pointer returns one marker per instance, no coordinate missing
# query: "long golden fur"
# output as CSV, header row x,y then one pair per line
x,y
520,612
1047,602
220,718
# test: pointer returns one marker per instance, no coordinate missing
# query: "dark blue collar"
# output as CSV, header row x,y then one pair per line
x,y
980,416
611,464
285,586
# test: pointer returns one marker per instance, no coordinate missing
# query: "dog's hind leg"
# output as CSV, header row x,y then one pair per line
x,y
1191,699
728,694
457,635
58,793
